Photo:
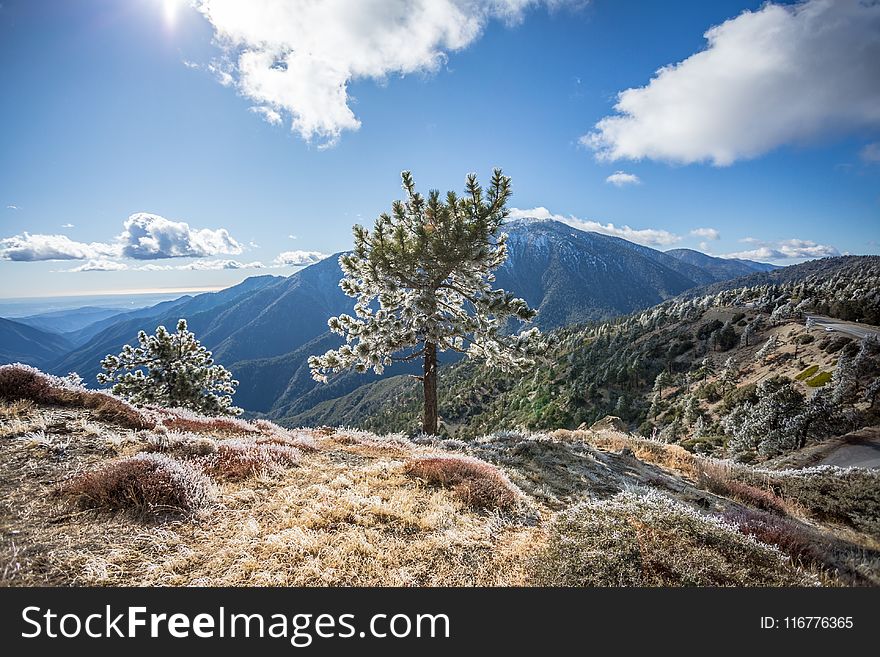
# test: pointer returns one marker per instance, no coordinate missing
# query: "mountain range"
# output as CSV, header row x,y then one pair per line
x,y
265,328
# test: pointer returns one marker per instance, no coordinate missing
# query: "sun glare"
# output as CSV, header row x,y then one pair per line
x,y
170,10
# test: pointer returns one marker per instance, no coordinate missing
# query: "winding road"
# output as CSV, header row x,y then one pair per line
x,y
853,329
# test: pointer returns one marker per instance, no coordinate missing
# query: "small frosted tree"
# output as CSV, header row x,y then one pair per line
x,y
172,370
729,375
768,348
423,283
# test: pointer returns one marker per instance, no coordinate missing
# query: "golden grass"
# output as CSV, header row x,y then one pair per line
x,y
343,511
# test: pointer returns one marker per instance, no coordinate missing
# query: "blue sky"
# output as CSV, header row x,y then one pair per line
x,y
118,128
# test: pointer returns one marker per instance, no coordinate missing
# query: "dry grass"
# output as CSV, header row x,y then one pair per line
x,y
351,512
718,478
671,457
146,484
238,459
181,419
476,483
650,540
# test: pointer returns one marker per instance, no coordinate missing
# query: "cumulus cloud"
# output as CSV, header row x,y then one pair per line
x,y
706,233
778,75
621,178
205,265
785,251
871,153
30,248
100,265
145,237
149,237
298,258
198,265
297,57
646,236
269,115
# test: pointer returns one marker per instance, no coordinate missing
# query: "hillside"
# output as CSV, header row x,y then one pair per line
x,y
69,320
613,369
721,268
21,343
100,493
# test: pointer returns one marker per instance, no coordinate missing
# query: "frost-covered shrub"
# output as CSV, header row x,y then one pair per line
x,y
19,381
474,482
649,539
187,445
183,419
784,533
850,495
240,459
149,484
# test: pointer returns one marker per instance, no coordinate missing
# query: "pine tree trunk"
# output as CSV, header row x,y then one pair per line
x,y
429,380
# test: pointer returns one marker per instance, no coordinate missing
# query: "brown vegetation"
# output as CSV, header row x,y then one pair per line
x,y
476,483
148,484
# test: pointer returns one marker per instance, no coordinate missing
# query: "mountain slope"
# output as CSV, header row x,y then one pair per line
x,y
573,276
605,369
25,344
199,311
720,268
69,320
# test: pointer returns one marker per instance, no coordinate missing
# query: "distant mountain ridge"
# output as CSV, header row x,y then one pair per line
x,y
20,343
721,268
265,328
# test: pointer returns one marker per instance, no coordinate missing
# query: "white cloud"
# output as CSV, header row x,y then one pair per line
x,y
269,115
198,265
785,251
145,237
621,178
149,237
298,258
292,237
706,233
12,207
29,248
871,152
206,265
68,226
298,57
779,75
100,265
646,236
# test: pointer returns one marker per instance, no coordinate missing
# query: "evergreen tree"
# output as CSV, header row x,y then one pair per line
x,y
691,410
768,348
872,391
172,370
844,385
729,375
423,283
747,333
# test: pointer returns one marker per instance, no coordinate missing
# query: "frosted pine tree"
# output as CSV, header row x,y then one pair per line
x,y
172,370
747,334
729,375
423,283
768,348
844,385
